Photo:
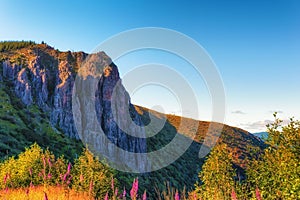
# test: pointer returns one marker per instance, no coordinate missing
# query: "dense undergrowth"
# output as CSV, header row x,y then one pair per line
x,y
274,175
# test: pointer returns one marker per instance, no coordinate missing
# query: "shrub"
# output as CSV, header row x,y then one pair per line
x,y
276,173
32,167
92,175
217,175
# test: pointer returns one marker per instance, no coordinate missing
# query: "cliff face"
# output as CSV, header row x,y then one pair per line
x,y
46,77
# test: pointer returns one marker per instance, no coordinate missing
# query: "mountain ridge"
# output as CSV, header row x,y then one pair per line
x,y
27,91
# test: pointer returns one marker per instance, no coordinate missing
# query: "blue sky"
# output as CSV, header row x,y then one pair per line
x,y
255,45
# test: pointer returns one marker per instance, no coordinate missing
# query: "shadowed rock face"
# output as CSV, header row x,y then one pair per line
x,y
100,104
47,80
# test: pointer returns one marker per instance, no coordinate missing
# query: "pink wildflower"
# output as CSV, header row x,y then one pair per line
x,y
5,178
112,183
145,196
116,192
177,196
134,189
49,162
233,195
44,162
91,186
65,177
124,193
194,196
31,184
81,178
257,194
69,168
106,196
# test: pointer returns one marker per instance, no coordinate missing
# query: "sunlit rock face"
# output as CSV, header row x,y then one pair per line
x,y
47,79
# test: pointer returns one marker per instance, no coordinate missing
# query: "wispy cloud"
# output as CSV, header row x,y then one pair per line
x,y
256,126
259,126
239,112
278,111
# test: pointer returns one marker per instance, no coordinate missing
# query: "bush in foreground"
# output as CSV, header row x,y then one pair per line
x,y
36,167
37,174
274,175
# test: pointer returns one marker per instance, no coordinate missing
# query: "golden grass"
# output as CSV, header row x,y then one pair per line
x,y
40,193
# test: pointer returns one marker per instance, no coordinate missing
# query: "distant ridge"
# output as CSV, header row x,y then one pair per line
x,y
262,135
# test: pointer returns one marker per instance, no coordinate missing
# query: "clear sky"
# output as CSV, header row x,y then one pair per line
x,y
254,43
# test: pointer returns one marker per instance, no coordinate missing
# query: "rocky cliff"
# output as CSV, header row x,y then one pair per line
x,y
45,77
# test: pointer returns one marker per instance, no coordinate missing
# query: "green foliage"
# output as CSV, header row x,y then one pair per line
x,y
36,166
22,126
14,45
277,172
92,175
217,175
32,167
184,171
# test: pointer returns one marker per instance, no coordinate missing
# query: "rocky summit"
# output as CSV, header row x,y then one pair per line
x,y
45,77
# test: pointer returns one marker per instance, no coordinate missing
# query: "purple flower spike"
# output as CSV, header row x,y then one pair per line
x,y
233,195
69,168
44,161
31,184
112,183
49,162
145,196
116,192
91,186
5,179
124,193
257,194
65,177
81,178
134,189
177,196
106,196
194,196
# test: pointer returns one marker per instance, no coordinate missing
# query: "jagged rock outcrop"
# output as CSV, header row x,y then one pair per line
x,y
100,105
38,81
61,113
10,71
47,79
23,88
